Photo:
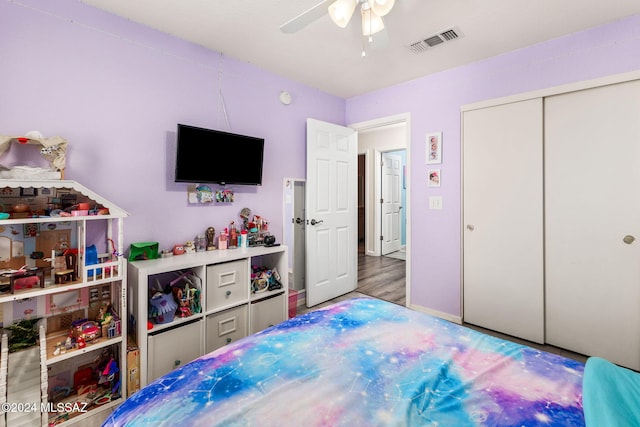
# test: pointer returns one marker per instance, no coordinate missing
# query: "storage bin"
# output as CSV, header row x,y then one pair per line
x,y
293,303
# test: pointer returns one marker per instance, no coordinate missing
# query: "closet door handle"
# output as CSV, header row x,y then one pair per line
x,y
628,239
470,227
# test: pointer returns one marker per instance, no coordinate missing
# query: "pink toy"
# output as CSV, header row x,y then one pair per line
x,y
27,282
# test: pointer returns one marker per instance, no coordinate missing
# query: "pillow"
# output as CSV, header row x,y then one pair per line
x,y
611,395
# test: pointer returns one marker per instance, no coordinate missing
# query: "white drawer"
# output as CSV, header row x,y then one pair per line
x,y
227,283
173,348
267,312
226,327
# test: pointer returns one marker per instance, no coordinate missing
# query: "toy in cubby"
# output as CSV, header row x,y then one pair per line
x,y
180,296
264,279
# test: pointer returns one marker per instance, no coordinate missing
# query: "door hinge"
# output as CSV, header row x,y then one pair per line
x,y
381,238
381,200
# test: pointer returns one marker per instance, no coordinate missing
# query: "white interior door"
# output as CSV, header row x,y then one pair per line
x,y
503,219
592,183
332,222
391,202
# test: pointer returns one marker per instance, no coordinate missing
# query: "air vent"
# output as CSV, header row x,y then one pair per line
x,y
447,35
433,41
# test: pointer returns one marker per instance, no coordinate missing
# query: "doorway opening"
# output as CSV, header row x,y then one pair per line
x,y
373,270
384,277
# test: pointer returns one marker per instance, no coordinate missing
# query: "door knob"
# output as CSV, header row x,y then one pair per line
x,y
314,222
299,220
628,239
470,227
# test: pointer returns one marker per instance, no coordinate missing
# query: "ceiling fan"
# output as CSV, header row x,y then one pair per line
x,y
341,12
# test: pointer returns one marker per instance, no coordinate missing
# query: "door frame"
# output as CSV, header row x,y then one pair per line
x,y
372,245
289,232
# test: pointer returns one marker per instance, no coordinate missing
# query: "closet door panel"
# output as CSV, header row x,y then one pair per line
x,y
503,219
592,191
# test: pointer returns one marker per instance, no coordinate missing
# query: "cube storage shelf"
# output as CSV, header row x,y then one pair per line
x,y
229,310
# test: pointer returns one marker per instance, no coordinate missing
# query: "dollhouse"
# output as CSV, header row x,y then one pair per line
x,y
62,281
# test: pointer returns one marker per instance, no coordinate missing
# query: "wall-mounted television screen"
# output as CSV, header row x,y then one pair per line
x,y
211,156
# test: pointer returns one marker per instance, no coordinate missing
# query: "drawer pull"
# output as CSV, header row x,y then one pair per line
x,y
228,340
228,293
176,363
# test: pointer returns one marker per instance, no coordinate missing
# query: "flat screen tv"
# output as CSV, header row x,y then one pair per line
x,y
212,156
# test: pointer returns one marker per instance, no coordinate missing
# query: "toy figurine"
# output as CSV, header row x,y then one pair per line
x,y
211,235
233,235
184,301
200,243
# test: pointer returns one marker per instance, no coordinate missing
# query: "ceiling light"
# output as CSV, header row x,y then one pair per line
x,y
341,11
381,7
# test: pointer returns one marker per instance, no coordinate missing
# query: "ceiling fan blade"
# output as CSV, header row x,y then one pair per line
x,y
378,40
305,18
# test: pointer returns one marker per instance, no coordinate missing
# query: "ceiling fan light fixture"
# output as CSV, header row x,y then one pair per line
x,y
371,23
341,11
381,7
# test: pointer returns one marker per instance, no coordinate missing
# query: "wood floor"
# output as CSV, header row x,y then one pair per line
x,y
382,277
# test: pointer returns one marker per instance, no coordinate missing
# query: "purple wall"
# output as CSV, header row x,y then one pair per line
x,y
434,103
116,90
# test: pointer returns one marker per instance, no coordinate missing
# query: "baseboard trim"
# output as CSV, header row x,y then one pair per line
x,y
436,313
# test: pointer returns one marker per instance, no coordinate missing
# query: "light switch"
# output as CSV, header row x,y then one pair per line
x,y
435,202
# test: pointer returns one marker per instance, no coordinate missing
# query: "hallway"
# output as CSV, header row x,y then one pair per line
x,y
382,277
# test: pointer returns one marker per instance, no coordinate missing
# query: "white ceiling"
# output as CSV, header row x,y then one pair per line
x,y
327,57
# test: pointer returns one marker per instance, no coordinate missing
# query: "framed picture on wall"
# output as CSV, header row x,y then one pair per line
x,y
433,178
434,148
28,192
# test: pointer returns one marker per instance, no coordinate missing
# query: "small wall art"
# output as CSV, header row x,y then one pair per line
x,y
224,196
434,148
434,178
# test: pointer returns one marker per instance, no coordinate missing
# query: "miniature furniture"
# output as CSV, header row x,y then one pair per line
x,y
70,273
20,276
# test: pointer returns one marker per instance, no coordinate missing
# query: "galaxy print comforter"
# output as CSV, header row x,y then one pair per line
x,y
364,362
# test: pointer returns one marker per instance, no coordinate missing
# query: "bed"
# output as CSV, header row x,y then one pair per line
x,y
364,362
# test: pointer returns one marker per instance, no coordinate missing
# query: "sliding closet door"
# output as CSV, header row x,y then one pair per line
x,y
592,155
503,219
